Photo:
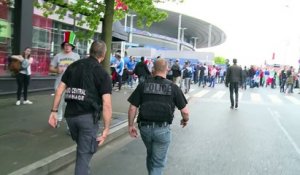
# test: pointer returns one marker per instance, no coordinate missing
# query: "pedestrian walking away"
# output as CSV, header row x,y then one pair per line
x,y
141,70
156,100
87,89
234,80
60,63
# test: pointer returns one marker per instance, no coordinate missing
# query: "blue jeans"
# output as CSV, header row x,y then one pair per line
x,y
84,133
157,140
130,80
212,81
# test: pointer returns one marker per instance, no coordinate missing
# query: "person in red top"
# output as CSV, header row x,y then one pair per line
x,y
261,76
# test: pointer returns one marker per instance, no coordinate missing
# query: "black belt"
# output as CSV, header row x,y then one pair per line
x,y
154,124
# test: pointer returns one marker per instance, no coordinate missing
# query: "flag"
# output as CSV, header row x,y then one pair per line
x,y
273,56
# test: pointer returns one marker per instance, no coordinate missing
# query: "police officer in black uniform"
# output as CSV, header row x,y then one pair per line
x,y
87,89
156,99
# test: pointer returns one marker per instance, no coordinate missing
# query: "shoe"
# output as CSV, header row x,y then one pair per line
x,y
27,102
18,102
231,107
236,106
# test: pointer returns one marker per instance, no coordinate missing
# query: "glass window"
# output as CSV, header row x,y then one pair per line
x,y
6,33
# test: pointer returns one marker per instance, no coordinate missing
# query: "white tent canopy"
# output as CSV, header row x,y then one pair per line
x,y
173,54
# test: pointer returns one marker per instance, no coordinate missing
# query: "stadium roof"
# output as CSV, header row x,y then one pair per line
x,y
195,28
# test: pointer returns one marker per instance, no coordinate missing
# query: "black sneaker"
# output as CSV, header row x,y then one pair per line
x,y
231,107
236,106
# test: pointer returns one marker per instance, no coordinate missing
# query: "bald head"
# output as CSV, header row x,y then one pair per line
x,y
160,66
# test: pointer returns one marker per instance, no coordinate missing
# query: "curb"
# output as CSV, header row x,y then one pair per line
x,y
66,156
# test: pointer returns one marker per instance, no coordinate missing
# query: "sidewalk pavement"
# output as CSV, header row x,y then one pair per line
x,y
30,145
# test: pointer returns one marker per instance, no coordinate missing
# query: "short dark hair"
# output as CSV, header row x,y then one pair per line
x,y
142,58
234,60
98,49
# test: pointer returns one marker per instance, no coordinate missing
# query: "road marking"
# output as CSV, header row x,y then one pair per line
x,y
293,100
201,93
240,95
275,99
219,94
255,97
275,115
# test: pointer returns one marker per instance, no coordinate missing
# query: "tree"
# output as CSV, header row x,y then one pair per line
x,y
106,11
220,60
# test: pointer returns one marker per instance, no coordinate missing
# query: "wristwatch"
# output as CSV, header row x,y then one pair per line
x,y
53,110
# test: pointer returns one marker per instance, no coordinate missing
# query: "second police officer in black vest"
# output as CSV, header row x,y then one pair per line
x,y
156,100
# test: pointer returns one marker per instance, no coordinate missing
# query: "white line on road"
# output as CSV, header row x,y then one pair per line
x,y
219,94
240,95
276,117
255,97
201,93
293,99
275,99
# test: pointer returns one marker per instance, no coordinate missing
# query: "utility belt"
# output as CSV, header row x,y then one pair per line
x,y
153,124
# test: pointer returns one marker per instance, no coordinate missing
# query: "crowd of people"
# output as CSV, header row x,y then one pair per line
x,y
286,78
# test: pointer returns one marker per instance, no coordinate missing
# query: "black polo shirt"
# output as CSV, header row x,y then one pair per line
x,y
85,76
138,97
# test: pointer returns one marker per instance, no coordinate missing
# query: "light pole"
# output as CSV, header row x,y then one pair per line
x,y
179,29
131,26
125,23
182,34
195,42
209,35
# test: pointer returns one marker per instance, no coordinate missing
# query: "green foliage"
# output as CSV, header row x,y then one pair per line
x,y
146,12
220,60
93,10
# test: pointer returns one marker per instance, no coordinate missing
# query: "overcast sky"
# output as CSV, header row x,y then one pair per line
x,y
254,28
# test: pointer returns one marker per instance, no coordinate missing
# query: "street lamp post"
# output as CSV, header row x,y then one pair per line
x,y
179,29
182,34
209,35
195,42
131,26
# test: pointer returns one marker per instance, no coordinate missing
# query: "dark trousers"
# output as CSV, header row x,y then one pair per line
x,y
234,87
119,79
84,133
22,82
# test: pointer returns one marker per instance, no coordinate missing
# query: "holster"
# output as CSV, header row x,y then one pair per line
x,y
96,116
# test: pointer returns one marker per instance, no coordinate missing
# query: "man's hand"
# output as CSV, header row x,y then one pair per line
x,y
53,119
183,123
60,69
226,85
133,131
103,136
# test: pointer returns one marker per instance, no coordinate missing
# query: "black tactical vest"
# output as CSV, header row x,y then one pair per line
x,y
81,86
157,101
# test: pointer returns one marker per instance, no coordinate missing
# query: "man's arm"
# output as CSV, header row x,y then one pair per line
x,y
107,115
131,116
53,69
227,79
58,93
185,116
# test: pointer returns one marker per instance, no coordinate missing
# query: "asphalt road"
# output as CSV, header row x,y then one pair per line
x,y
260,138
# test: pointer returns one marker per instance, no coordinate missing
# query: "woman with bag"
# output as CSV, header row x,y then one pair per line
x,y
23,76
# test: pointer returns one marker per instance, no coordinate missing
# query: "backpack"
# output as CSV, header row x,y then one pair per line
x,y
14,65
186,73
